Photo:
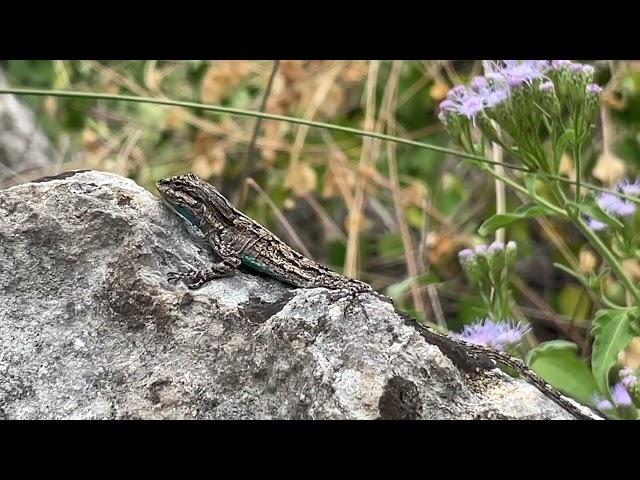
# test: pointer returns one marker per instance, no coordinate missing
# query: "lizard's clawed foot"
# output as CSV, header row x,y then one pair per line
x,y
191,279
196,278
174,277
352,301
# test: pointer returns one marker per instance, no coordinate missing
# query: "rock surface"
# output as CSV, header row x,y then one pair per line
x,y
91,329
24,148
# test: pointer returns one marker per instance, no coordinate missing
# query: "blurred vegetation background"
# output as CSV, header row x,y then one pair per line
x,y
392,215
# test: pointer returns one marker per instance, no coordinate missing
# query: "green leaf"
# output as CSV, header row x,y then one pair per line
x,y
240,99
152,116
337,253
35,73
591,208
574,302
614,292
390,246
530,182
449,193
558,363
468,312
538,188
415,216
612,332
569,136
527,210
578,276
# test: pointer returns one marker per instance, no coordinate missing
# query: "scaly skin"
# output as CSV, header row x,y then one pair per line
x,y
236,240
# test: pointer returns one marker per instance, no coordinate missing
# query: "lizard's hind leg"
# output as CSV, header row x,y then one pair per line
x,y
196,278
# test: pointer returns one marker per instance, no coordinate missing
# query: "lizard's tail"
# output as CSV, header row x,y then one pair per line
x,y
471,357
508,361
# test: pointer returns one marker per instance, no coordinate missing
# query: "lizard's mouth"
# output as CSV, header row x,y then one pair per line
x,y
163,185
169,186
166,189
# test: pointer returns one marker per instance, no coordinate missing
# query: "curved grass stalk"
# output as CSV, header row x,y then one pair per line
x,y
300,121
248,113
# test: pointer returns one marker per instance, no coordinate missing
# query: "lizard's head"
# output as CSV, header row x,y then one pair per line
x,y
191,197
183,195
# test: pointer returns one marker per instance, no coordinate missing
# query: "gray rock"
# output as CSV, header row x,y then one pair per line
x,y
91,329
24,149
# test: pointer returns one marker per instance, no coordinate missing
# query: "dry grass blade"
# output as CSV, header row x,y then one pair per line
x,y
405,234
233,135
324,85
289,230
332,229
432,291
251,154
355,208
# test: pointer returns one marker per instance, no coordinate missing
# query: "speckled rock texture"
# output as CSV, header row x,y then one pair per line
x,y
90,328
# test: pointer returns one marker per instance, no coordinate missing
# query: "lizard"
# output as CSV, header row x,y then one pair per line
x,y
238,240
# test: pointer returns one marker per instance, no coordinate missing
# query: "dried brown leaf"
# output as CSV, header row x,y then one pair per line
x,y
217,159
292,70
414,194
333,101
201,166
609,168
355,221
438,90
588,261
90,140
301,179
630,356
441,246
51,106
631,266
354,72
566,166
220,78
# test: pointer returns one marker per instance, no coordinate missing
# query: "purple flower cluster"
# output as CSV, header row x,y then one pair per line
x,y
500,79
516,73
463,102
465,254
483,261
628,377
619,395
601,403
596,225
547,87
490,92
616,206
480,249
498,335
493,89
629,188
594,89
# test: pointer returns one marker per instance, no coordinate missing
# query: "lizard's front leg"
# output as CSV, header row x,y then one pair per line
x,y
197,278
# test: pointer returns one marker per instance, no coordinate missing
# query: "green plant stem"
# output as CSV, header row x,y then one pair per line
x,y
248,113
578,165
521,189
604,251
609,303
300,121
467,135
